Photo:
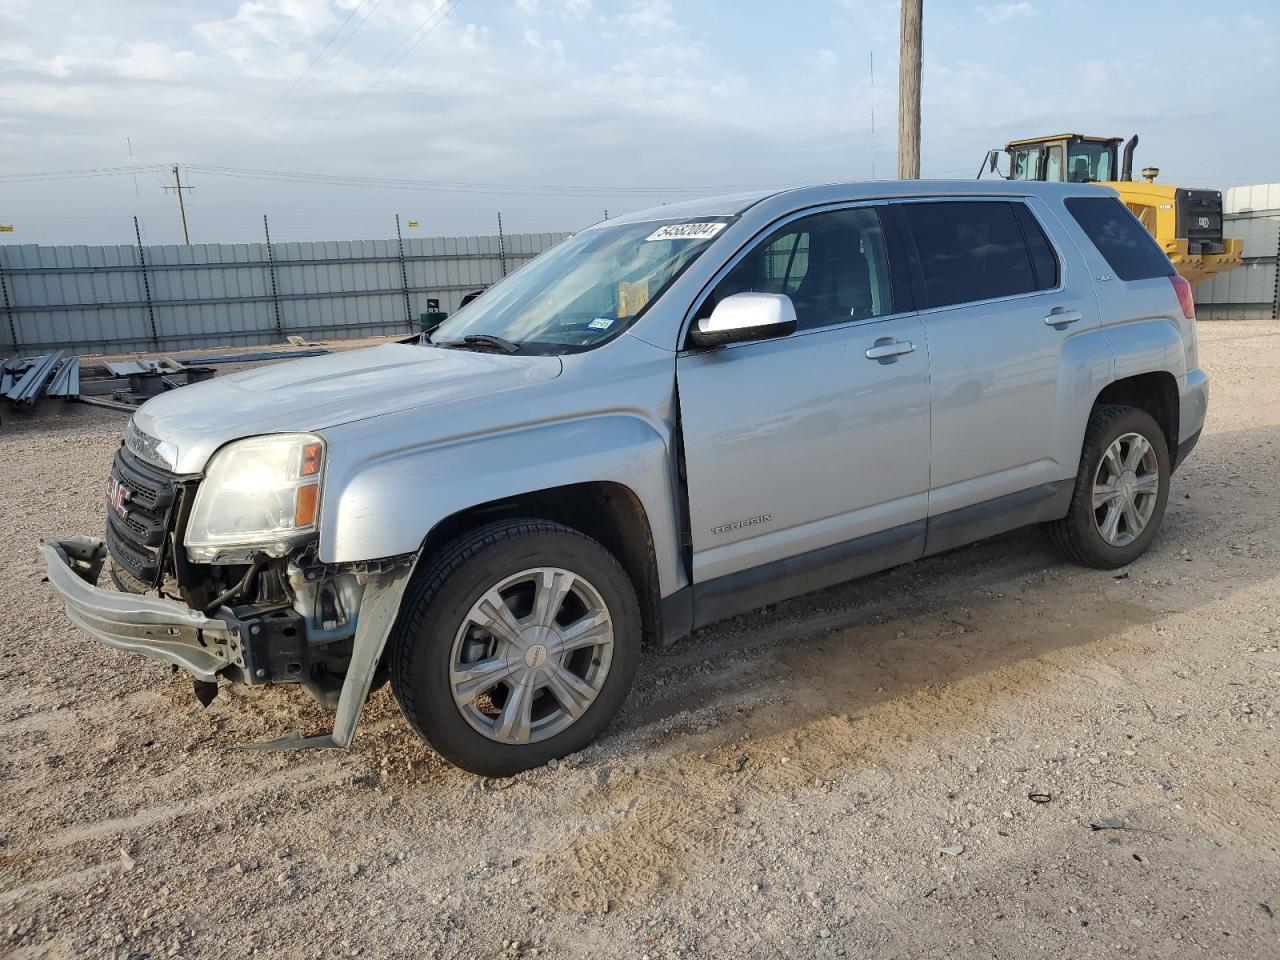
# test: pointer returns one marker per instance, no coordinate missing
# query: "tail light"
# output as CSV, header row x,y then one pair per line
x,y
1183,289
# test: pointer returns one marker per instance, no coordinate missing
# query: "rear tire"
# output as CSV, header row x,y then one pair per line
x,y
516,645
1120,493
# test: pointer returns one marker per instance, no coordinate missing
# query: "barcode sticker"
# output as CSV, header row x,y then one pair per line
x,y
686,231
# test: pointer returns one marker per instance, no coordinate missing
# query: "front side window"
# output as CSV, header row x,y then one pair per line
x,y
975,250
1128,249
1090,162
586,290
832,265
1026,164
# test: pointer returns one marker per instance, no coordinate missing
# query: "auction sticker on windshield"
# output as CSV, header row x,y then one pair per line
x,y
686,231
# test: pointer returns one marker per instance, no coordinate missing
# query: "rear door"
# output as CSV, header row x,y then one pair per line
x,y
807,456
1000,303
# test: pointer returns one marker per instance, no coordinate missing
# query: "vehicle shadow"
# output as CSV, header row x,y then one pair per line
x,y
948,620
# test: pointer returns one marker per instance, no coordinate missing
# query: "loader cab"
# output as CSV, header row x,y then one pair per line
x,y
1067,158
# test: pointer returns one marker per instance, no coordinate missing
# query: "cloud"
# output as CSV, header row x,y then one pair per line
x,y
140,60
549,45
614,92
649,16
1001,12
570,9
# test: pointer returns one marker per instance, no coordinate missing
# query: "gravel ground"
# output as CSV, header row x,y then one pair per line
x,y
986,754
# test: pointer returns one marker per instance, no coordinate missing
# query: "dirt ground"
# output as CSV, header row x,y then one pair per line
x,y
986,754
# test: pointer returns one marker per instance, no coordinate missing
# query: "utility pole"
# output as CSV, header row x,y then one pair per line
x,y
871,74
502,246
909,91
182,209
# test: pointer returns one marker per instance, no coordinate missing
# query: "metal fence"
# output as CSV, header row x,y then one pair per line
x,y
118,299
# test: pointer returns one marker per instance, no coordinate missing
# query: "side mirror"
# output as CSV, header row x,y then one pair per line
x,y
746,316
993,160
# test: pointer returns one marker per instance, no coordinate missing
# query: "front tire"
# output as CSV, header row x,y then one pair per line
x,y
516,645
1120,493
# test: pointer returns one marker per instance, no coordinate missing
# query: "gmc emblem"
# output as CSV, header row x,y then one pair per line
x,y
117,495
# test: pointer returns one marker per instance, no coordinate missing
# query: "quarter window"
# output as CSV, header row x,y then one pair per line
x,y
832,265
1128,249
979,250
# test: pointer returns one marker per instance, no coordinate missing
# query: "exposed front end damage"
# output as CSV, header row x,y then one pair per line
x,y
323,627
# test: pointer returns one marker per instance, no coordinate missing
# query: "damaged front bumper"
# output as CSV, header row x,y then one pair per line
x,y
152,626
264,650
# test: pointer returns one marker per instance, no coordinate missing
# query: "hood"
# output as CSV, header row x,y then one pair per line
x,y
317,392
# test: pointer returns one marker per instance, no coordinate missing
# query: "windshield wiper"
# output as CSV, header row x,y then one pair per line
x,y
480,340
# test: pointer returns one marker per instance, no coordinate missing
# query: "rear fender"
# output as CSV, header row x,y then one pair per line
x,y
386,506
1148,346
1086,366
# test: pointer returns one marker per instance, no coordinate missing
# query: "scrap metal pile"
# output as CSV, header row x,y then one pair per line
x,y
117,385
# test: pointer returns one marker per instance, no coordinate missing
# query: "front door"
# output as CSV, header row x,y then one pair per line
x,y
807,456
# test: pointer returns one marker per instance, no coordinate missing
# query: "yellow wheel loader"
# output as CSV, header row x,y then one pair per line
x,y
1186,223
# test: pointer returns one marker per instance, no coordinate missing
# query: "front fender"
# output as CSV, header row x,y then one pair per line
x,y
386,505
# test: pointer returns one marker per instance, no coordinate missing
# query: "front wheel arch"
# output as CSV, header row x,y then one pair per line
x,y
608,512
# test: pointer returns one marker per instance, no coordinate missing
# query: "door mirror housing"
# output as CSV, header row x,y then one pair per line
x,y
746,316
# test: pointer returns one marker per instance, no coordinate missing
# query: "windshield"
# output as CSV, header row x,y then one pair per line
x,y
586,290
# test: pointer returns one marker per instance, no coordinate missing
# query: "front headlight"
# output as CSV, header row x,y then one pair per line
x,y
258,495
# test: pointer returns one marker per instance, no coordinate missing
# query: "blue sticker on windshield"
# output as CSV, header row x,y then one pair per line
x,y
600,323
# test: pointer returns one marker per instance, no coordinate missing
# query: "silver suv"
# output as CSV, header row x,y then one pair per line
x,y
670,418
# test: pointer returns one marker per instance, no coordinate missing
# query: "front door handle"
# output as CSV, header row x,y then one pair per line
x,y
1060,317
886,348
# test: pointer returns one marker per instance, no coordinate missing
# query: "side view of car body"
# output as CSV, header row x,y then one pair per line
x,y
670,418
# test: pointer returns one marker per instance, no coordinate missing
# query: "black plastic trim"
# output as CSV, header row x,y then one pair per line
x,y
706,603
955,528
677,615
1185,448
746,590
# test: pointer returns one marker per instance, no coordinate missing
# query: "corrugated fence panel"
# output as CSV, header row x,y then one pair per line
x,y
1251,291
101,300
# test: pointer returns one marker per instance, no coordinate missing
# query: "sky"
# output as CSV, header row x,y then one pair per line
x,y
552,112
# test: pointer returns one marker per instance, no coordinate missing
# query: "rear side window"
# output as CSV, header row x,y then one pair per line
x,y
978,250
1128,249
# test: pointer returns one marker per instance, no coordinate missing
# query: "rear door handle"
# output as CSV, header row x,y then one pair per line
x,y
1060,317
886,349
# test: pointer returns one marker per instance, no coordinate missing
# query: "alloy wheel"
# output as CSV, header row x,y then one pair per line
x,y
1125,489
531,655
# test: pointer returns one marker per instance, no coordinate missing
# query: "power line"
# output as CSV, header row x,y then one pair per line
x,y
430,23
353,180
356,180
81,174
314,62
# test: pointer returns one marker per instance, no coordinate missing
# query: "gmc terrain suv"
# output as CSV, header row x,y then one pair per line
x,y
668,419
